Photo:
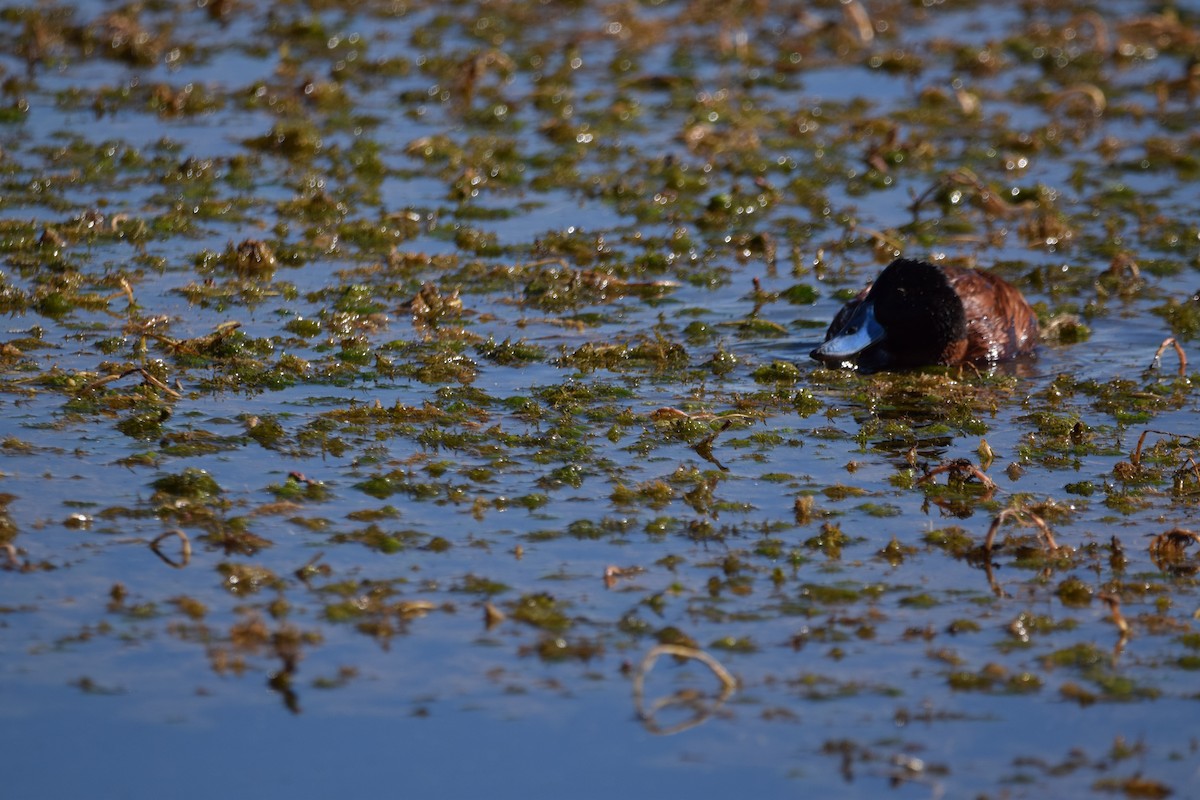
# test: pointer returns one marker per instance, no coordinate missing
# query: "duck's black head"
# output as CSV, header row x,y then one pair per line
x,y
910,316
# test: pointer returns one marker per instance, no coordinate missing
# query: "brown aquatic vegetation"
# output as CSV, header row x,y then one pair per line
x,y
1168,549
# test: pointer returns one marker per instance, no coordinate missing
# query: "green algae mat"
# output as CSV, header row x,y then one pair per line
x,y
414,398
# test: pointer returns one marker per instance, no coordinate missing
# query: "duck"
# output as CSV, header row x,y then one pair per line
x,y
918,314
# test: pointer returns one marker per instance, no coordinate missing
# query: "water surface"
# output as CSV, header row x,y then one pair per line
x,y
466,345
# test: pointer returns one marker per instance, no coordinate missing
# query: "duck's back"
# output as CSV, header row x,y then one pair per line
x,y
1000,323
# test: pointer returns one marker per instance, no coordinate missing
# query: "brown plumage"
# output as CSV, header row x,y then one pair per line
x,y
917,314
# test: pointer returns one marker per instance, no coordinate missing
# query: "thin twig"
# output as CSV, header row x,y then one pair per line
x,y
147,377
1114,607
857,16
1124,262
156,383
126,291
1090,91
1135,457
1017,513
612,572
881,237
681,651
728,684
1170,341
309,567
997,589
185,547
1181,481
1100,35
670,414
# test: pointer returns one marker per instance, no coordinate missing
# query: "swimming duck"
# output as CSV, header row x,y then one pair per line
x,y
916,314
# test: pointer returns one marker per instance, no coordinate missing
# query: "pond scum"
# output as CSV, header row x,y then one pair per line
x,y
467,341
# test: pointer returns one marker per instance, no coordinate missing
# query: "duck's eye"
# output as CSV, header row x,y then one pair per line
x,y
853,329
